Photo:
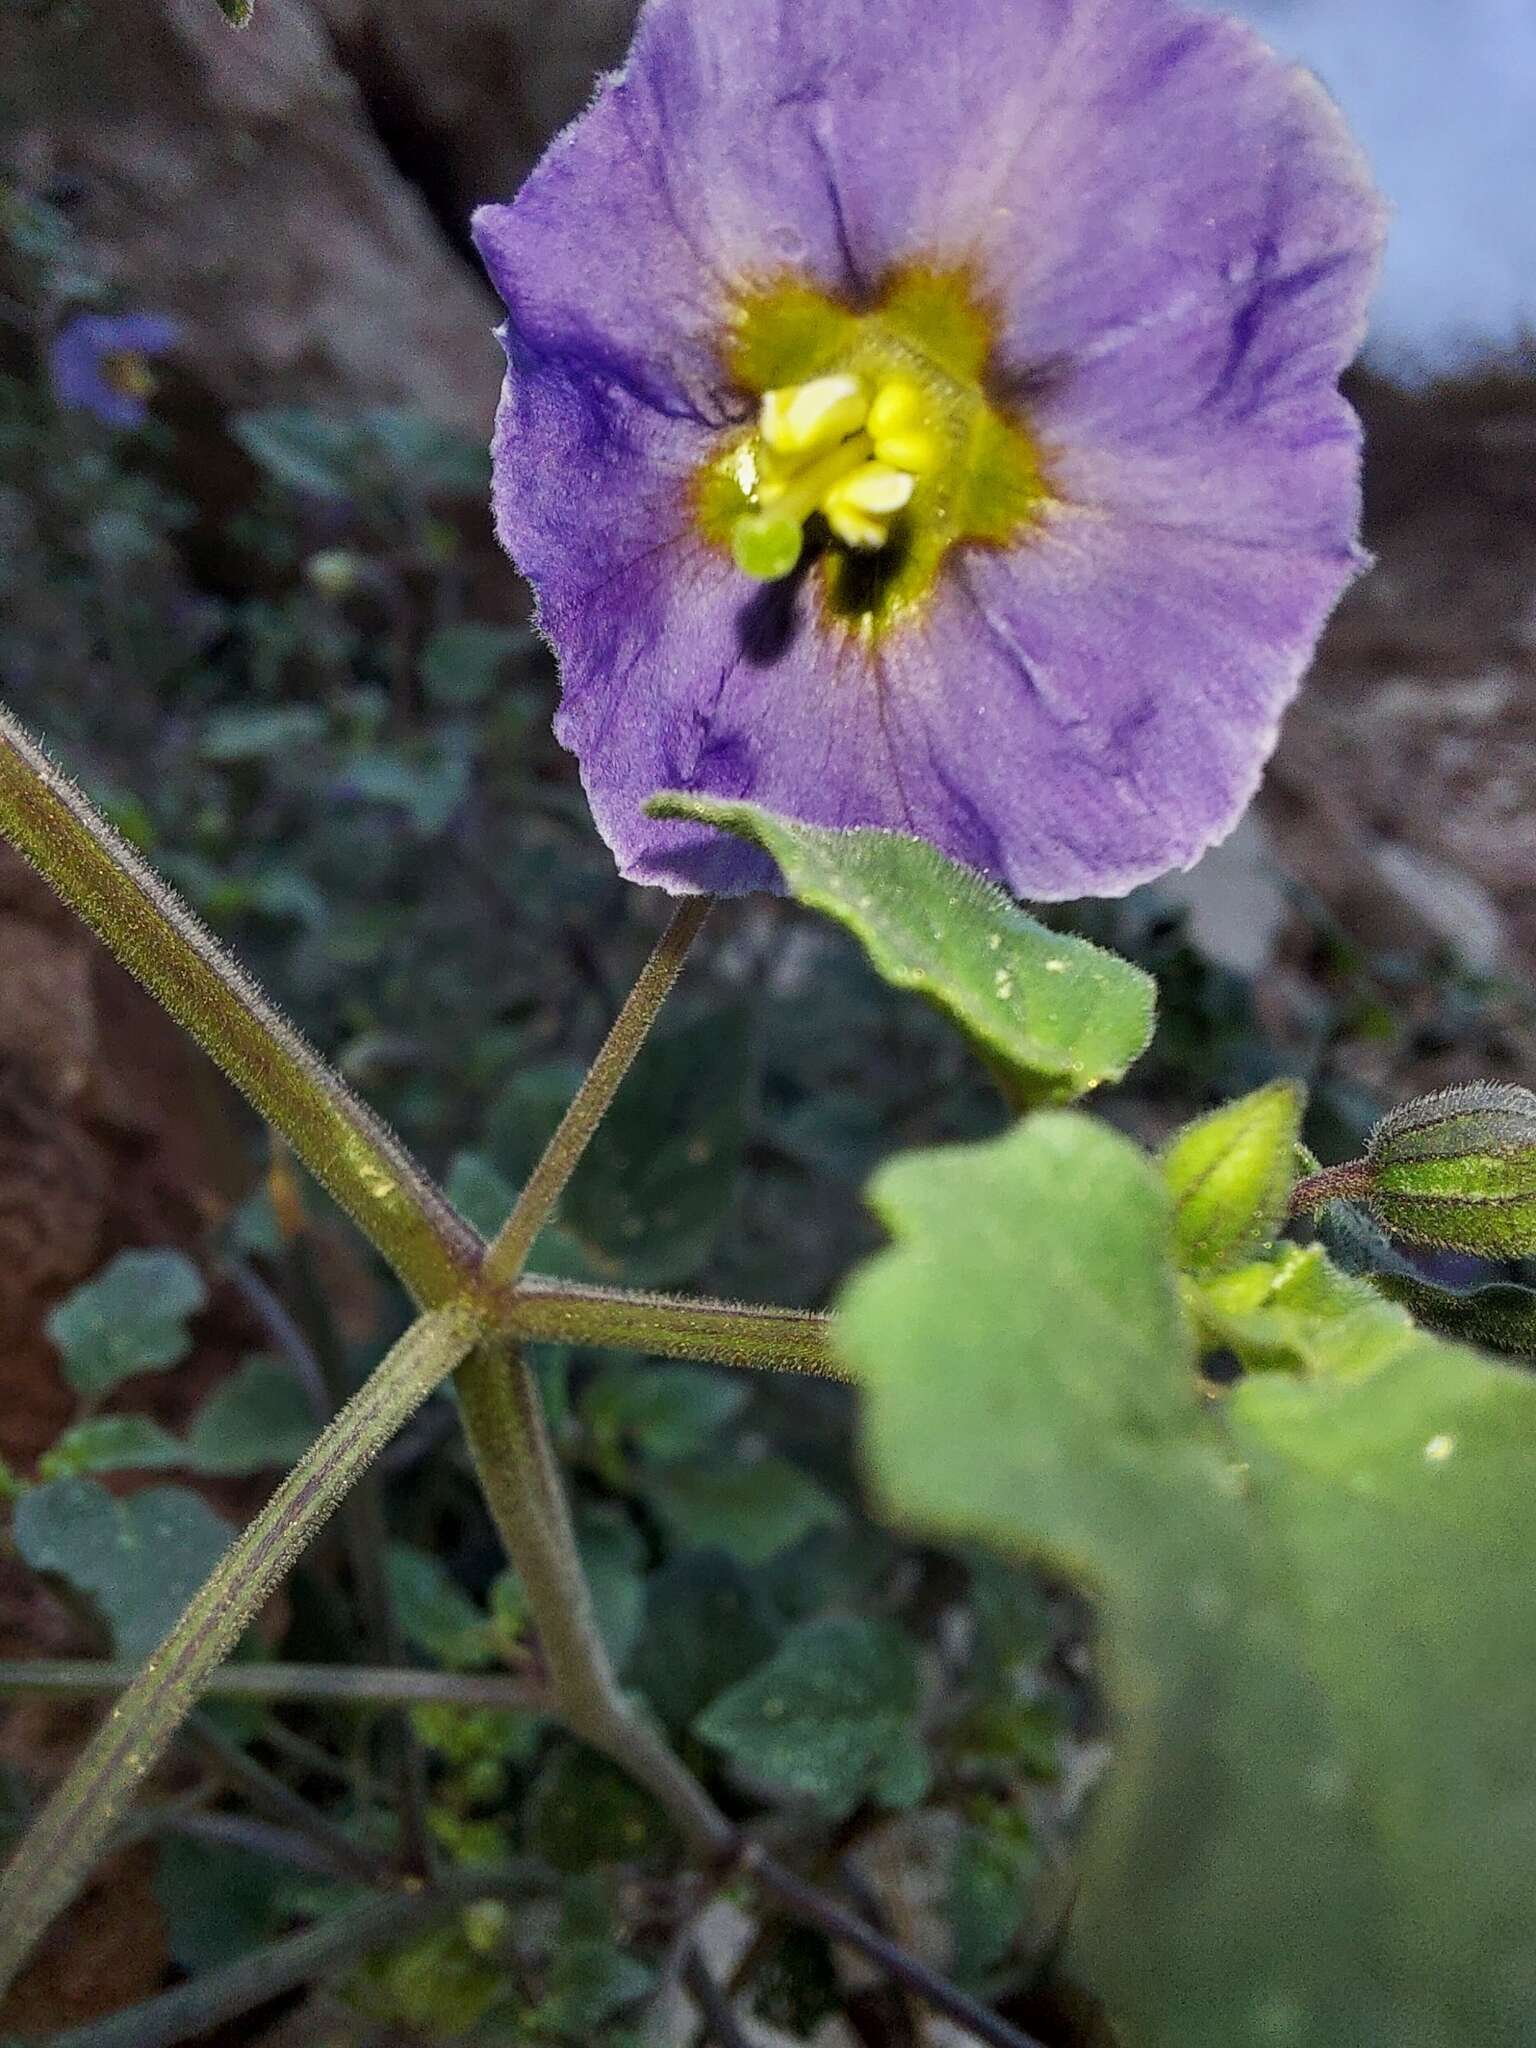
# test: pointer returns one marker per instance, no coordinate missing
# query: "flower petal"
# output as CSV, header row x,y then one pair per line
x,y
1177,238
1073,716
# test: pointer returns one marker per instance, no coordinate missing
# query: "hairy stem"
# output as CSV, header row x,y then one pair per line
x,y
544,1311
63,1842
508,1252
345,1685
1331,1184
347,1148
812,1908
273,1796
515,1461
515,1464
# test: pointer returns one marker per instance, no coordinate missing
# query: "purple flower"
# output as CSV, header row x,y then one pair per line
x,y
99,362
926,417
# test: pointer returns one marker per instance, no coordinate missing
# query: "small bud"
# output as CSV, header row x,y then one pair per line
x,y
488,1925
333,572
1230,1173
1457,1171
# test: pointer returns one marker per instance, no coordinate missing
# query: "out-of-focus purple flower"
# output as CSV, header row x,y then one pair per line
x,y
926,417
100,363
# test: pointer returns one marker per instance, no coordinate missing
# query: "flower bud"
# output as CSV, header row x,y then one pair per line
x,y
334,572
1457,1171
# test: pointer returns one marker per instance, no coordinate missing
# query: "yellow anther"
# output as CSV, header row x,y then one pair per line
x,y
859,507
803,419
915,449
126,371
898,404
856,529
898,426
875,488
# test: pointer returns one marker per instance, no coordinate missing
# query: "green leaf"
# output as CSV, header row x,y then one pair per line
x,y
421,453
668,1412
111,1443
750,1511
706,1627
1054,1013
1315,1629
584,1811
220,1903
1500,1314
797,1985
259,732
1230,1174
589,1984
434,1611
461,665
655,1186
427,779
825,1715
989,1881
296,446
526,1114
1295,1313
137,1561
130,1318
236,12
258,1420
480,1194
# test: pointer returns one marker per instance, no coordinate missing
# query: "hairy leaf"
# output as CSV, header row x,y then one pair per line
x,y
1320,1822
1500,1314
257,1421
1054,1013
137,1561
830,1715
112,1443
750,1511
130,1318
706,1626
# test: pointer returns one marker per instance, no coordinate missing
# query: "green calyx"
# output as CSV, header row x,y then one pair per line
x,y
1457,1170
877,444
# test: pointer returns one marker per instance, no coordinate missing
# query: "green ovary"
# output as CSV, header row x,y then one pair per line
x,y
876,434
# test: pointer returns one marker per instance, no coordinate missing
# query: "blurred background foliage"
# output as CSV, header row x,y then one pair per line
x,y
264,621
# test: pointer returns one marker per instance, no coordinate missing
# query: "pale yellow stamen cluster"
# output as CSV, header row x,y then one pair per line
x,y
126,371
828,446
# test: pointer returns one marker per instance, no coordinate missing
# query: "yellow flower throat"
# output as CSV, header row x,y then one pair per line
x,y
877,432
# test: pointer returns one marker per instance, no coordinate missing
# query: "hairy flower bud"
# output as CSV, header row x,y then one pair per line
x,y
1457,1171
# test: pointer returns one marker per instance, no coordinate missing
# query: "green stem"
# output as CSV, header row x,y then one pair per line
x,y
63,1842
515,1464
348,1685
1349,1183
515,1460
544,1311
509,1249
347,1148
274,1797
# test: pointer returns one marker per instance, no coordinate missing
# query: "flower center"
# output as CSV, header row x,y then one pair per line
x,y
879,422
828,446
126,372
